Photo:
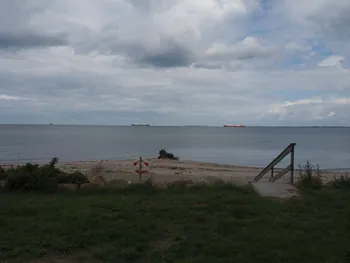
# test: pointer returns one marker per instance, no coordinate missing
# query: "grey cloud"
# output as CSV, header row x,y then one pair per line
x,y
233,57
170,57
237,55
230,66
171,54
189,92
156,51
248,49
339,27
29,40
106,73
147,38
322,18
13,14
332,17
17,30
143,5
208,65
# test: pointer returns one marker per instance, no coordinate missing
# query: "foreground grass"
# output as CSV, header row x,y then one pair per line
x,y
217,224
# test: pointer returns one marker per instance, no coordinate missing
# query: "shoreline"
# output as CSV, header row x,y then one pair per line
x,y
212,162
165,171
75,162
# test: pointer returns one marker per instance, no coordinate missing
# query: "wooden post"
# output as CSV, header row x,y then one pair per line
x,y
140,169
292,165
272,170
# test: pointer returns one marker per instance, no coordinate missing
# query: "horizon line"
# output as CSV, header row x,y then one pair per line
x,y
150,125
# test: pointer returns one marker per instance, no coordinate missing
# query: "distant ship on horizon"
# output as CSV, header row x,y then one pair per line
x,y
234,126
147,125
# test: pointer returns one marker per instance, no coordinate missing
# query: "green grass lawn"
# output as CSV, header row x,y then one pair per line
x,y
213,224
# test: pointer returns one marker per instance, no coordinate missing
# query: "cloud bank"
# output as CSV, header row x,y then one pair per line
x,y
175,62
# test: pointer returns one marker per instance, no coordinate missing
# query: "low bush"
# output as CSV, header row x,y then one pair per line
x,y
32,177
3,174
163,154
309,176
46,185
17,180
73,178
342,182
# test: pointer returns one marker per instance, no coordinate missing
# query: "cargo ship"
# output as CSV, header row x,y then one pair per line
x,y
234,126
147,125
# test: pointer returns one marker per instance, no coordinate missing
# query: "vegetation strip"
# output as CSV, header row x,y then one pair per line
x,y
140,223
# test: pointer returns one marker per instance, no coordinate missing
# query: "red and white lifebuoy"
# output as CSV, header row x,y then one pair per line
x,y
136,162
137,165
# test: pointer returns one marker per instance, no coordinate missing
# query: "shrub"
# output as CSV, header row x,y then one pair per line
x,y
163,154
72,178
98,168
21,179
32,177
64,178
3,174
342,182
53,162
46,185
50,172
310,177
79,178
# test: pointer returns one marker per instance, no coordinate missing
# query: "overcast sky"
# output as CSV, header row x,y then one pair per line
x,y
175,62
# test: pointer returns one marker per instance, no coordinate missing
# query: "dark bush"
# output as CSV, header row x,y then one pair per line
x,y
73,178
32,177
53,162
79,178
64,178
163,154
49,170
46,185
3,174
310,177
342,182
20,180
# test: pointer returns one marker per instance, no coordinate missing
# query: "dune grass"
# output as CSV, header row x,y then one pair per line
x,y
204,224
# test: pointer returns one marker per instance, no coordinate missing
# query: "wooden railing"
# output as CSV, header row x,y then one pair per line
x,y
271,166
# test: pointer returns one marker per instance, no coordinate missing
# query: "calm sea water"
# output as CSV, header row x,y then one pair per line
x,y
251,146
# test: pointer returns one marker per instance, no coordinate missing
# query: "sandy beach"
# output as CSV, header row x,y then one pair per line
x,y
167,171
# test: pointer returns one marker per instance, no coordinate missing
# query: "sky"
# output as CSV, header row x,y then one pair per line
x,y
175,62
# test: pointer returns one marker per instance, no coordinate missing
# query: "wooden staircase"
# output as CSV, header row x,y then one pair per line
x,y
271,188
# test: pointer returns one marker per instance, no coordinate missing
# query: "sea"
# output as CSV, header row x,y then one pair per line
x,y
328,147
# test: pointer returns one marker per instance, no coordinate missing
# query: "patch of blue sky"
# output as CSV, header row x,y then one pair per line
x,y
293,61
